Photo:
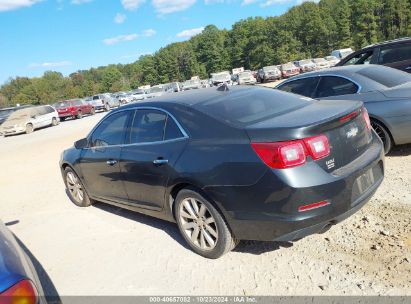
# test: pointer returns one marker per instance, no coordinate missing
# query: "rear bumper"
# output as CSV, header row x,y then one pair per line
x,y
66,114
268,210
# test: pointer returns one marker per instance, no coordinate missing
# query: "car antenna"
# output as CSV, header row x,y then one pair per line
x,y
223,87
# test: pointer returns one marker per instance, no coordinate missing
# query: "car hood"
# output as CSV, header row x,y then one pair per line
x,y
401,91
12,121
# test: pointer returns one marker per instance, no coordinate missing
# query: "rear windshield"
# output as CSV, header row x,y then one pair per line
x,y
386,76
252,106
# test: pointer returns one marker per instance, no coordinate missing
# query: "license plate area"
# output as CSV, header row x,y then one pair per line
x,y
364,182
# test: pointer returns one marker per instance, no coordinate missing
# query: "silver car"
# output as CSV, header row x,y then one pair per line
x,y
154,91
246,77
306,65
321,63
332,60
386,93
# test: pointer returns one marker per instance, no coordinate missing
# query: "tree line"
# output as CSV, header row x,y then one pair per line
x,y
305,31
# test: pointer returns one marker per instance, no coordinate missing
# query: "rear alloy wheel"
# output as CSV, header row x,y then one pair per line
x,y
29,128
54,122
383,134
79,115
76,191
202,226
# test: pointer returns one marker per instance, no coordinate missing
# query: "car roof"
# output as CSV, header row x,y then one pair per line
x,y
193,98
350,72
404,39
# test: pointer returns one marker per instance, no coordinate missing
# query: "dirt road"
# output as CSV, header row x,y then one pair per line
x,y
104,250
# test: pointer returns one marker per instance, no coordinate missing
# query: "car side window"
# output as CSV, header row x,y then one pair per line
x,y
41,111
361,58
335,86
148,126
305,86
111,131
395,53
172,130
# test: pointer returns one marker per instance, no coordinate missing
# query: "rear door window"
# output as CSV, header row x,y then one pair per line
x,y
148,126
172,130
305,86
395,53
335,86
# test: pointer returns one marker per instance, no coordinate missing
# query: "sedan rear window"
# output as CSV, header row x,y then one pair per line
x,y
386,76
251,108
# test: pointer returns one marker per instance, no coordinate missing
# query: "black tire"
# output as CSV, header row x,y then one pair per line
x,y
62,118
93,111
85,200
54,122
224,242
107,107
29,128
79,115
383,133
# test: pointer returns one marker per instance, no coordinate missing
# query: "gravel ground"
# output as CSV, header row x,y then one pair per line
x,y
103,250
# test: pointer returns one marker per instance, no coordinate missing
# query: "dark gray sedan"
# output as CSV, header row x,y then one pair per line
x,y
386,94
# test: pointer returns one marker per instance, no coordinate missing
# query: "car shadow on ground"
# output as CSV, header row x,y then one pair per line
x,y
252,247
50,291
170,228
258,247
403,150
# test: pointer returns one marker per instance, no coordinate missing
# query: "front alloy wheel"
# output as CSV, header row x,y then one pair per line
x,y
383,134
75,188
202,225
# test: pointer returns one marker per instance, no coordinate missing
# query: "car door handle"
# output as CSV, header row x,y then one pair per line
x,y
111,162
160,162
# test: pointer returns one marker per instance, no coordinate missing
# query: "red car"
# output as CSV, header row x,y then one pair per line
x,y
289,70
74,108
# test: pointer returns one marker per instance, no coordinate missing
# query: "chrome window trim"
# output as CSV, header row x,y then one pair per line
x,y
323,75
185,135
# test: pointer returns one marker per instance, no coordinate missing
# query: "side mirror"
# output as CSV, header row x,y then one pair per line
x,y
81,144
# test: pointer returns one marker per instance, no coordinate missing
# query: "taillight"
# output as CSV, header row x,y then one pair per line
x,y
349,116
318,146
366,118
288,154
21,293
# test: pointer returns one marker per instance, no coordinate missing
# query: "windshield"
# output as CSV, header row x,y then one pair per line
x,y
287,66
305,62
156,90
63,104
20,114
385,76
269,68
245,75
331,58
4,113
319,60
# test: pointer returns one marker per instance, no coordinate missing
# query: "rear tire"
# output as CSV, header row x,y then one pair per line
x,y
62,118
79,115
93,111
75,189
54,122
202,225
29,128
107,107
383,133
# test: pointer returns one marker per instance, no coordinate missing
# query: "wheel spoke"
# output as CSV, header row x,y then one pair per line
x,y
195,205
188,207
208,238
211,231
209,220
187,215
194,235
202,211
202,241
190,225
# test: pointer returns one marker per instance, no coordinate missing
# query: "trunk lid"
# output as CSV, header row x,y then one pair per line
x,y
341,121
